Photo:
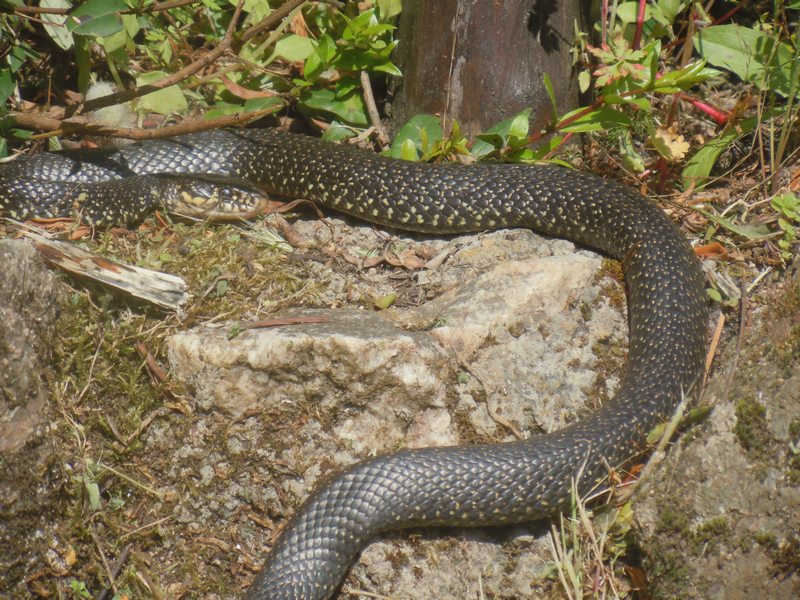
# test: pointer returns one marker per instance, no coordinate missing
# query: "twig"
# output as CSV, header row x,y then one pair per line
x,y
712,349
372,109
658,454
739,341
153,367
131,480
115,571
158,7
365,594
189,70
277,15
102,554
75,125
285,321
155,523
491,409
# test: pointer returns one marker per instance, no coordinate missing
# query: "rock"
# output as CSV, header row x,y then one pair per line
x,y
512,329
28,309
30,454
721,519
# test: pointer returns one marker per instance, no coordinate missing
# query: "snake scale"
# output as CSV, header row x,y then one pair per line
x,y
466,485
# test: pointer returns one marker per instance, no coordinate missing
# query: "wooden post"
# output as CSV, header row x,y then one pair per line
x,y
481,61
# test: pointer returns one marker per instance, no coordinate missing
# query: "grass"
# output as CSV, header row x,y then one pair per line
x,y
108,399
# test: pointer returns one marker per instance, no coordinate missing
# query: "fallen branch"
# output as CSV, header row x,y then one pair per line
x,y
84,125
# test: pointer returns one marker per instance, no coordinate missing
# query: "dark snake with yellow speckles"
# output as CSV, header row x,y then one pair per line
x,y
462,485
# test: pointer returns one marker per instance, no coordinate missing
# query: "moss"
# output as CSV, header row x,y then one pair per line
x,y
707,536
668,571
766,539
673,520
786,555
614,292
108,398
751,427
611,356
677,543
784,325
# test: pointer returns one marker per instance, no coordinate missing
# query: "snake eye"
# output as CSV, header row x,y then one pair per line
x,y
204,189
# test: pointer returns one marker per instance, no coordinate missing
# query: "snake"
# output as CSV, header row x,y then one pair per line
x,y
462,485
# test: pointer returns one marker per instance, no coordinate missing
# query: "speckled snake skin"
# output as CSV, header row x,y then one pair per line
x,y
462,485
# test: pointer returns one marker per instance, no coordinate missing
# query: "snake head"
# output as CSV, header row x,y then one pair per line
x,y
211,197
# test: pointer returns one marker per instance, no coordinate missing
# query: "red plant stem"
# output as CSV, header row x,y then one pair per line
x,y
720,117
727,15
722,19
563,141
593,106
637,36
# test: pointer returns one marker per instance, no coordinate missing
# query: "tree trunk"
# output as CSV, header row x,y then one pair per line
x,y
481,61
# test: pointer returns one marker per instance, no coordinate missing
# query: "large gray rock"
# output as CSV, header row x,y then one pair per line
x,y
510,341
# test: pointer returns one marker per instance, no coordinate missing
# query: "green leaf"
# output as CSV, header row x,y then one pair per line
x,y
93,491
389,68
386,301
223,108
55,25
511,132
627,12
320,58
418,134
168,101
542,150
115,42
122,39
338,132
699,166
19,55
519,126
98,8
752,55
97,18
345,103
670,9
83,59
408,150
485,144
584,81
787,204
254,104
389,8
357,25
294,48
604,117
7,85
100,27
751,232
685,78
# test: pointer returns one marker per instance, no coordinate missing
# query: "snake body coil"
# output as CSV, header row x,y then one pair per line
x,y
462,485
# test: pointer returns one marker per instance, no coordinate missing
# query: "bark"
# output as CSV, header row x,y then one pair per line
x,y
479,62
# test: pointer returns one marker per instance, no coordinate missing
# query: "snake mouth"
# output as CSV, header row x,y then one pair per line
x,y
215,198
